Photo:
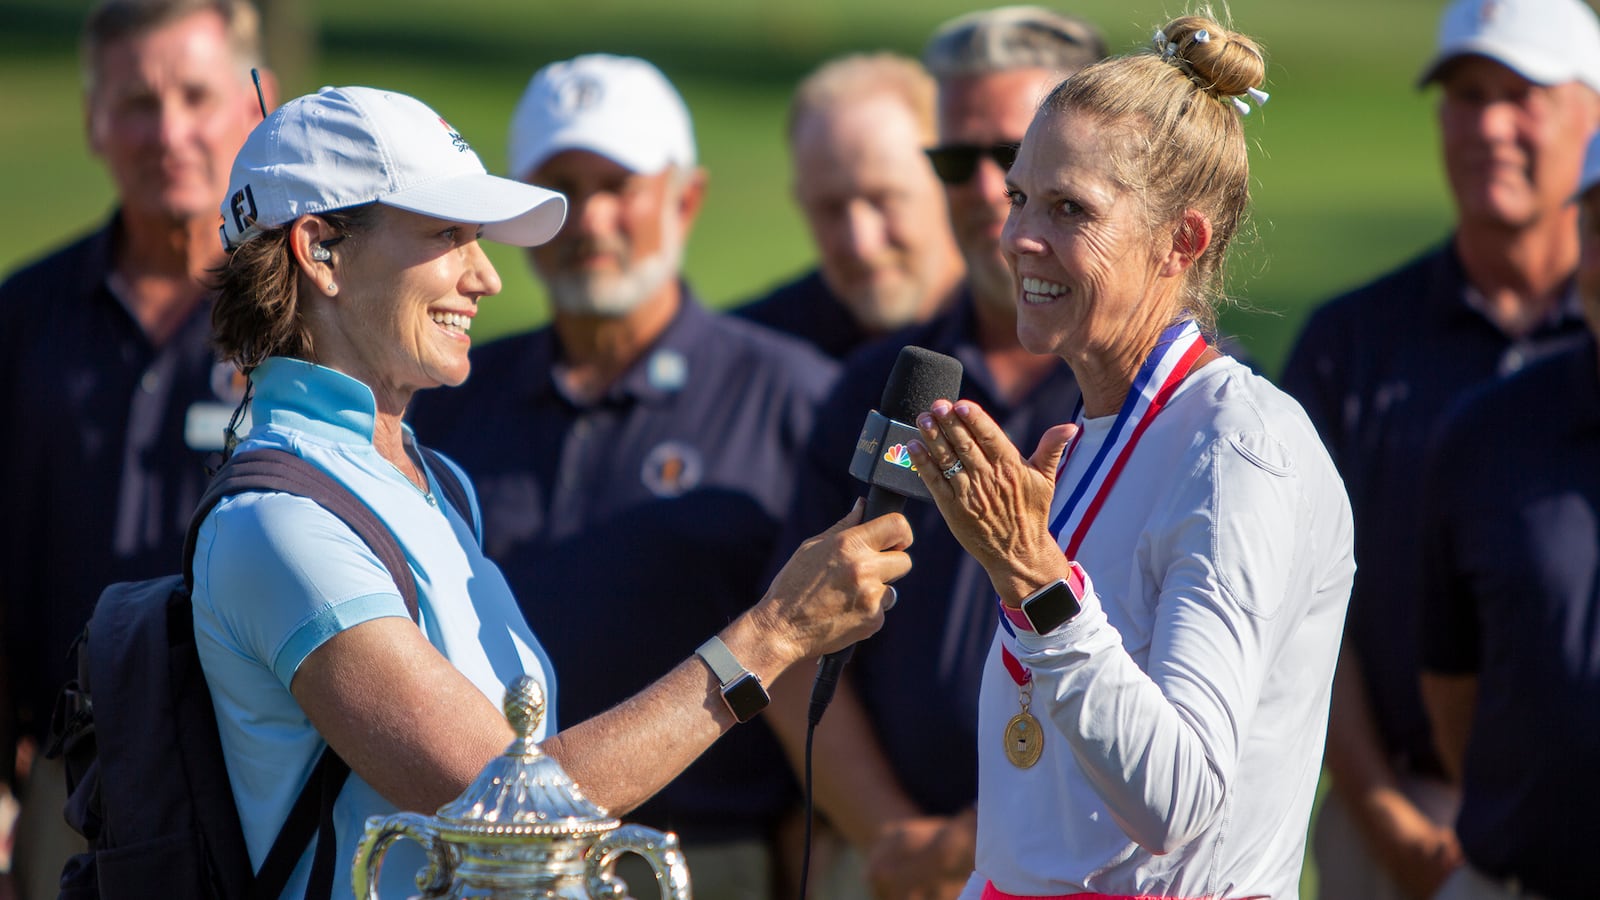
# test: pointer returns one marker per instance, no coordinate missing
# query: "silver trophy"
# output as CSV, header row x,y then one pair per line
x,y
522,830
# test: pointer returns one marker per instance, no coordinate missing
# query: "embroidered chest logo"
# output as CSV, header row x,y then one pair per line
x,y
227,382
672,469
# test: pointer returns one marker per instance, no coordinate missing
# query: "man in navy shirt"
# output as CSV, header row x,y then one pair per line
x,y
886,258
109,385
1376,370
896,755
1511,612
635,458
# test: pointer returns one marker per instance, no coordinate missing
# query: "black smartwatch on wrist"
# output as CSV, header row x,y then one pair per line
x,y
742,689
1052,606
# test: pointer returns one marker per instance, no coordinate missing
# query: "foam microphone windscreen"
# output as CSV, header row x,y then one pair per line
x,y
920,376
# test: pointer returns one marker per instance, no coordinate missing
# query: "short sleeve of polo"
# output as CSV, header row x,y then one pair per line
x,y
280,575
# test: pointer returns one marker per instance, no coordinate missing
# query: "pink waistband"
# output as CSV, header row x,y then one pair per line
x,y
990,892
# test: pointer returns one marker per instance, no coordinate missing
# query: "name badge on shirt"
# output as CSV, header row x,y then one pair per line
x,y
205,423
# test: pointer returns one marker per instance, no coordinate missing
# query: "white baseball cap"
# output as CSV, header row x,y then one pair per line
x,y
349,146
1545,41
620,107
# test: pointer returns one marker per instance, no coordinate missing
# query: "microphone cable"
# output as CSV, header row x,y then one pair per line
x,y
810,813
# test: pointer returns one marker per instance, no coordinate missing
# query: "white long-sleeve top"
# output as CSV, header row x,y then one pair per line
x,y
1185,707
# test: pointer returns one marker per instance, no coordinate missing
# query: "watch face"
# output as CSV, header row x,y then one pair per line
x,y
746,697
1052,608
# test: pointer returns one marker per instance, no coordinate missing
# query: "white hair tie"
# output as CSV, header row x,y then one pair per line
x,y
1166,48
1202,36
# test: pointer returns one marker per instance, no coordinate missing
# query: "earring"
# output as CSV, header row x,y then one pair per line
x,y
321,254
332,289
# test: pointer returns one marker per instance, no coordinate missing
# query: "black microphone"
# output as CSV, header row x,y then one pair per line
x,y
920,376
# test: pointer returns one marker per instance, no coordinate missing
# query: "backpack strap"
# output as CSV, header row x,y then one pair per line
x,y
312,812
454,490
282,471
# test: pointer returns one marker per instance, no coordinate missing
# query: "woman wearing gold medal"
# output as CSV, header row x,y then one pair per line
x,y
1173,568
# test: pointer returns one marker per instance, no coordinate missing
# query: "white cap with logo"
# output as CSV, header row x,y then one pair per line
x,y
619,107
1545,41
349,146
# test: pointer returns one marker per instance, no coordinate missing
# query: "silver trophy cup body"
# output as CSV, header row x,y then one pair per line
x,y
522,830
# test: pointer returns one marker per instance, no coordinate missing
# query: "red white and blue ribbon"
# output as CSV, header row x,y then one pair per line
x,y
1072,512
1163,370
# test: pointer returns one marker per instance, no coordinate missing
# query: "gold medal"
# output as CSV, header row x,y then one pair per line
x,y
1024,740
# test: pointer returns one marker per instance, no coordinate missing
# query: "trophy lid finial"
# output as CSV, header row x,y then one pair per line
x,y
524,708
523,791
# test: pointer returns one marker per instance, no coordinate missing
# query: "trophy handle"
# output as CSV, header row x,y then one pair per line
x,y
434,880
659,850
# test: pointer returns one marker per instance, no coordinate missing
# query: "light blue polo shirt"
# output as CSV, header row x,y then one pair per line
x,y
277,575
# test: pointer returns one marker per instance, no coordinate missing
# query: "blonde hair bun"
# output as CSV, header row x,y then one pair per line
x,y
1223,63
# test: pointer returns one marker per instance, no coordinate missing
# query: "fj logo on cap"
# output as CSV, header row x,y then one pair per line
x,y
243,207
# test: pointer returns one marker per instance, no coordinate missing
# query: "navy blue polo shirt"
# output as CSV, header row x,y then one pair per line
x,y
1511,593
919,676
633,528
809,310
98,476
1376,370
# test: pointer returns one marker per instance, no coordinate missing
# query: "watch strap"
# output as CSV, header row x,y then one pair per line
x,y
724,665
741,688
1076,583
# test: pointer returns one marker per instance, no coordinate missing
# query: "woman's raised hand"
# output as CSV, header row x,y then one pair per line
x,y
996,502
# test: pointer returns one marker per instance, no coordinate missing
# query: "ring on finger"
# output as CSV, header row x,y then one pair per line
x,y
891,598
951,472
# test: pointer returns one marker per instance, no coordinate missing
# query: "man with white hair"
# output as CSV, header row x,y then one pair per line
x,y
635,457
886,258
1510,598
1376,369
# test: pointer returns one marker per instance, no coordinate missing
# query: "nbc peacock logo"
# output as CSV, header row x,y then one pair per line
x,y
899,456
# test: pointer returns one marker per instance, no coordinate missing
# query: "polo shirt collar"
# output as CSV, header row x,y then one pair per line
x,y
313,399
1451,296
660,372
100,254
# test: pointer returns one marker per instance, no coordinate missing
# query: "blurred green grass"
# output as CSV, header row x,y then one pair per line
x,y
1346,179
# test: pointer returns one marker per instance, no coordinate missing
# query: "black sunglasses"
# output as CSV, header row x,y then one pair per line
x,y
955,163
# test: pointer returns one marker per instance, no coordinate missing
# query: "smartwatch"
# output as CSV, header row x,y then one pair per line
x,y
742,689
1055,604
